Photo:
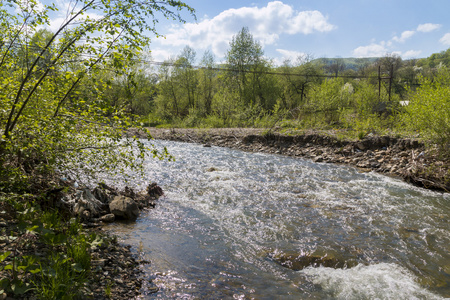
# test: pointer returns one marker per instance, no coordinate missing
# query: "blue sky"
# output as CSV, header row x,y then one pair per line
x,y
321,28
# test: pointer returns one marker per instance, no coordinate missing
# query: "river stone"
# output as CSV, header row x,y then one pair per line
x,y
361,145
296,261
155,191
124,207
109,218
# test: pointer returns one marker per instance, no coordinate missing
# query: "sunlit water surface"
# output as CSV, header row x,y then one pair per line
x,y
226,212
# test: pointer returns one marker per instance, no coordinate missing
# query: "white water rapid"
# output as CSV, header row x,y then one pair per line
x,y
229,219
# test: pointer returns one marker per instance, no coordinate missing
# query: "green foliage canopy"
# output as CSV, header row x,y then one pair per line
x,y
48,121
428,110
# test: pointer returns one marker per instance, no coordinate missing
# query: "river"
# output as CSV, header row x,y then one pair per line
x,y
229,217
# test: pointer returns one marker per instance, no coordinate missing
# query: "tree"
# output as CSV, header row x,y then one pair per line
x,y
429,109
206,82
133,90
336,66
243,58
437,59
298,79
390,64
48,122
187,75
168,100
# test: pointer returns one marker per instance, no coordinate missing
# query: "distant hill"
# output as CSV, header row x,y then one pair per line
x,y
352,63
436,59
349,63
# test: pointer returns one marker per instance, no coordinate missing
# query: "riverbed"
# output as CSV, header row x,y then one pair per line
x,y
228,216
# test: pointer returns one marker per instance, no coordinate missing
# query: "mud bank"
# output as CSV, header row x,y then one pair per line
x,y
408,159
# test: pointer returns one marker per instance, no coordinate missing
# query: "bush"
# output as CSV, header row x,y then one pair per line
x,y
213,121
428,110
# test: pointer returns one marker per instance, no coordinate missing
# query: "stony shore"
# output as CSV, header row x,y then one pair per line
x,y
405,158
115,271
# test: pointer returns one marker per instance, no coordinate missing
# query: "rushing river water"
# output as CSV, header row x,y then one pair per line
x,y
228,215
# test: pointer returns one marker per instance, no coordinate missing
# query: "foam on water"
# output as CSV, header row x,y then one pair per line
x,y
380,281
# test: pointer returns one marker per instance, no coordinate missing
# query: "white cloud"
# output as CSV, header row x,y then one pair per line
x,y
307,22
61,19
379,50
56,23
373,50
288,55
445,39
266,25
427,27
411,54
404,36
158,54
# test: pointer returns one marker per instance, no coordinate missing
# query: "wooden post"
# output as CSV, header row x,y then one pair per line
x,y
379,83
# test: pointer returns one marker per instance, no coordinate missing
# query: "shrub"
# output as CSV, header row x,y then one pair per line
x,y
428,110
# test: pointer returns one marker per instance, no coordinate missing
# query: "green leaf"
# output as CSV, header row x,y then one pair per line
x,y
19,287
33,228
98,241
4,284
78,268
34,269
4,255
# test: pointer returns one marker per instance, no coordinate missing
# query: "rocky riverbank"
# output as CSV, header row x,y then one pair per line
x,y
408,159
114,271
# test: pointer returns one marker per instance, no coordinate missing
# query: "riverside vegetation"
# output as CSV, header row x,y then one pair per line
x,y
59,131
386,95
69,97
353,101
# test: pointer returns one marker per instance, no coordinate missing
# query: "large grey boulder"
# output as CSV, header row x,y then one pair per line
x,y
124,207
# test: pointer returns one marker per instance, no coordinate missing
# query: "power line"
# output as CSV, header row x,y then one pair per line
x,y
88,56
224,69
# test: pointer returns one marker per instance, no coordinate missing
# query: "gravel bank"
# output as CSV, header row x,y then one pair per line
x,y
408,159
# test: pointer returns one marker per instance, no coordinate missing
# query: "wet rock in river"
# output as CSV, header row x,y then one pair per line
x,y
154,190
299,261
124,207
